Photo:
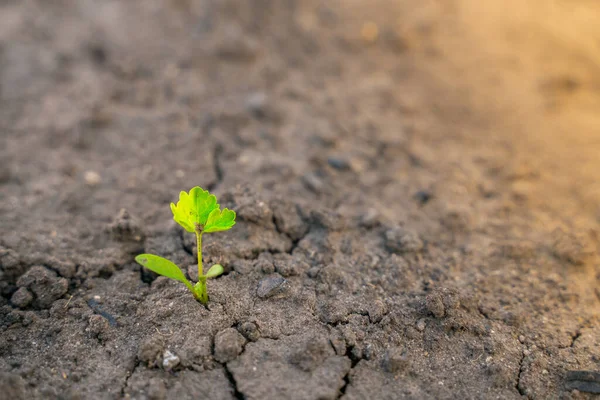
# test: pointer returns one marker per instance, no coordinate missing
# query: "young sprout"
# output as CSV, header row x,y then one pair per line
x,y
197,212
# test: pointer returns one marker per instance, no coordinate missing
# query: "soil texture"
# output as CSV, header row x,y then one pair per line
x,y
415,184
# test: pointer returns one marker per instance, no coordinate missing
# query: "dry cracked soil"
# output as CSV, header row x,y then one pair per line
x,y
415,184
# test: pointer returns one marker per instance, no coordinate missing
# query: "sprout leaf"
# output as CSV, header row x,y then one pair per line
x,y
194,208
220,220
215,271
163,267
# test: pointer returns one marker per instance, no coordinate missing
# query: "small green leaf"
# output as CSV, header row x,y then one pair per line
x,y
215,271
179,215
194,208
163,267
220,220
203,203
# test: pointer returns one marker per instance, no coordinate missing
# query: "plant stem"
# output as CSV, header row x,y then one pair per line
x,y
199,242
201,292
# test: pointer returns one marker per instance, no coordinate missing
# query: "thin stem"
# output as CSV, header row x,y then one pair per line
x,y
199,242
200,289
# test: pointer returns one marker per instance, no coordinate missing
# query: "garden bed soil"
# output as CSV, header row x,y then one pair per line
x,y
414,184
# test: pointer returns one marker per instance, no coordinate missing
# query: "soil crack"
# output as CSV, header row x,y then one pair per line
x,y
354,361
521,390
129,375
574,338
236,393
218,168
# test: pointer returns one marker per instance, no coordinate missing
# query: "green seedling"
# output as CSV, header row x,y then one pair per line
x,y
197,212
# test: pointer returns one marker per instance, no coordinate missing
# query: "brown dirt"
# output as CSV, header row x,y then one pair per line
x,y
415,185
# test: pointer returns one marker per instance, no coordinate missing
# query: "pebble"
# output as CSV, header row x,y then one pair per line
x,y
271,285
421,325
338,163
313,182
583,381
423,196
250,331
92,178
170,360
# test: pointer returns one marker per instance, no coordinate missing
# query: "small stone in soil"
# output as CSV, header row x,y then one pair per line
x,y
338,163
170,360
271,286
584,381
92,178
423,196
250,331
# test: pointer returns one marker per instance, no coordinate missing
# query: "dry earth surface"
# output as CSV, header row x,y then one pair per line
x,y
415,182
